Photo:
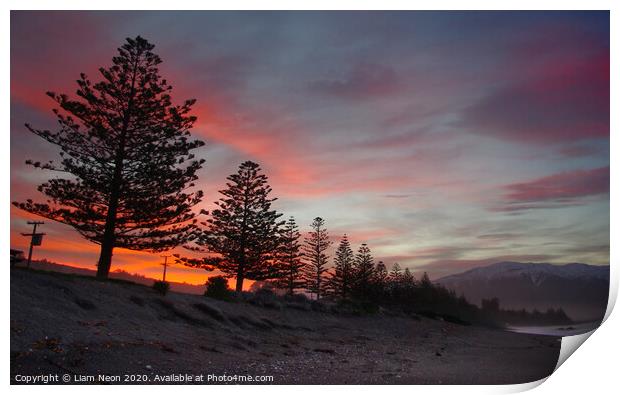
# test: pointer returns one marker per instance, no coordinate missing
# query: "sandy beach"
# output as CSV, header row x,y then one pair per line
x,y
64,324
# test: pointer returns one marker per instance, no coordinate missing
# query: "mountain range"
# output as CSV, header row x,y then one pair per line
x,y
581,290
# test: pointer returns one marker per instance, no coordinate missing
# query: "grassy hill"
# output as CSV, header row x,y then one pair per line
x,y
118,274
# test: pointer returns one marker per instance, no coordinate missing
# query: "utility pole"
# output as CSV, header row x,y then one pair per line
x,y
35,238
165,265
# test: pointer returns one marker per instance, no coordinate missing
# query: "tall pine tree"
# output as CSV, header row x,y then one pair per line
x,y
314,249
126,149
290,255
341,280
242,237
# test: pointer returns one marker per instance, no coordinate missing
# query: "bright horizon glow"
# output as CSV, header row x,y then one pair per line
x,y
443,140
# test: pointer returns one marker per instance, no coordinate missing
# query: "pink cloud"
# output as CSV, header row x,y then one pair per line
x,y
560,95
556,190
572,184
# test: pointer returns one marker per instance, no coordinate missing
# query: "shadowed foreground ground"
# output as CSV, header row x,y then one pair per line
x,y
78,326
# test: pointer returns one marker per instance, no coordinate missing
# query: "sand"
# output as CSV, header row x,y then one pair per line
x,y
77,326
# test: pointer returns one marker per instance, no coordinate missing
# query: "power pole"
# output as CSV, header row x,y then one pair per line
x,y
35,239
165,265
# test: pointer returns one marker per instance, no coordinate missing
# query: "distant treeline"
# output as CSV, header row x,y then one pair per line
x,y
552,316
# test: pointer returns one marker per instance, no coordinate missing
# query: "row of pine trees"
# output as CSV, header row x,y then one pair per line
x,y
244,238
128,173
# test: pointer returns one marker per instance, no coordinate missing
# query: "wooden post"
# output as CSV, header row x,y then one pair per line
x,y
165,265
33,235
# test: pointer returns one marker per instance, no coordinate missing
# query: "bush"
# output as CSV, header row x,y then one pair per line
x,y
265,298
161,286
296,298
217,288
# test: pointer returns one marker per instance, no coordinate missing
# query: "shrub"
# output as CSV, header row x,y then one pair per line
x,y
296,298
217,288
265,298
161,286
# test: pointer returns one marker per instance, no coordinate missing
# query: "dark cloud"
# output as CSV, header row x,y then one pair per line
x,y
363,81
553,88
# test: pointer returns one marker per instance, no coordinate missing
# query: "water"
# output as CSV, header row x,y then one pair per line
x,y
556,330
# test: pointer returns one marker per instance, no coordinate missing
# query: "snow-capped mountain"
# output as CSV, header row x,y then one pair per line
x,y
580,289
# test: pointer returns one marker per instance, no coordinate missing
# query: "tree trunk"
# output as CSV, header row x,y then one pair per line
x,y
105,259
107,244
239,286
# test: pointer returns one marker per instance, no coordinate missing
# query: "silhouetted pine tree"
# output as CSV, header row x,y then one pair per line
x,y
290,259
379,282
427,293
341,280
380,274
408,279
126,148
316,243
396,274
243,235
425,281
363,272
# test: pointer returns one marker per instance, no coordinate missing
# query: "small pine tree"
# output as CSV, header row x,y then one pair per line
x,y
243,233
379,282
427,292
425,281
396,276
316,244
395,279
363,272
409,280
341,280
290,259
380,275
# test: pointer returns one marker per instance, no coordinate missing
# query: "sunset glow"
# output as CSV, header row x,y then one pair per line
x,y
442,140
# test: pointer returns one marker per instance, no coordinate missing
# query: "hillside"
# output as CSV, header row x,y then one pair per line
x,y
580,289
70,324
116,274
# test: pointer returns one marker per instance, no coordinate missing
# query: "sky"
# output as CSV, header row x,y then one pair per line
x,y
443,140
